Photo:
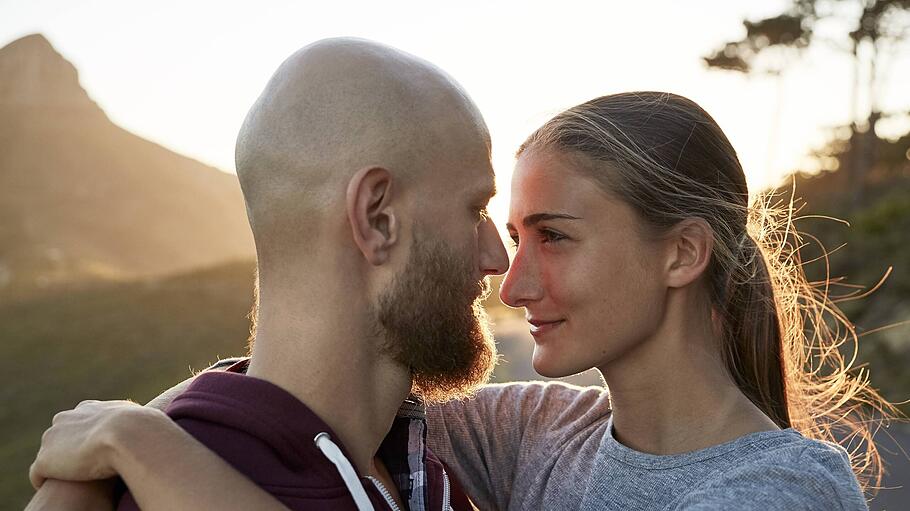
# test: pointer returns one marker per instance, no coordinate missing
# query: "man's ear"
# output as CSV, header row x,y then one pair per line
x,y
373,222
690,245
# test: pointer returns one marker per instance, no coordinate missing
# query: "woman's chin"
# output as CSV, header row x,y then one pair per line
x,y
555,367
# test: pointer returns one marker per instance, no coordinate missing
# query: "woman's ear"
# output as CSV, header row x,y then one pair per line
x,y
373,222
691,243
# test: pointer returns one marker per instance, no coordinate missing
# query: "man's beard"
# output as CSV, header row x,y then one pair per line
x,y
434,323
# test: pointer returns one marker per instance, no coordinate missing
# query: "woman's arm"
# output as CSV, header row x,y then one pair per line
x,y
60,495
57,495
494,441
164,466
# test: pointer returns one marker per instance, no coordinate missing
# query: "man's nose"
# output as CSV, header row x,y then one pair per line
x,y
493,257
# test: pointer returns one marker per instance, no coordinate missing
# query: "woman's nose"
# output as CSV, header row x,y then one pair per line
x,y
521,285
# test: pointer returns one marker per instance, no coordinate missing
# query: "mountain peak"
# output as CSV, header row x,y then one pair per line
x,y
36,40
34,75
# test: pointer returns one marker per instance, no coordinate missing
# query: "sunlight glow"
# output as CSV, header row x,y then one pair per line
x,y
183,74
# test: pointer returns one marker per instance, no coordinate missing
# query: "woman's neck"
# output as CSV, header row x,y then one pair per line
x,y
672,393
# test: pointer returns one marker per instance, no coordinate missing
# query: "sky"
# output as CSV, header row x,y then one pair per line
x,y
184,73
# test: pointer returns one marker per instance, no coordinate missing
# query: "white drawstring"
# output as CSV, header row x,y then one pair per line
x,y
334,454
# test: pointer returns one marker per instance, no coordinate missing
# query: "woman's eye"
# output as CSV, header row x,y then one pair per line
x,y
548,236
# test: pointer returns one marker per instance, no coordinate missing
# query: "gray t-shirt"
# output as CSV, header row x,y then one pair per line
x,y
549,446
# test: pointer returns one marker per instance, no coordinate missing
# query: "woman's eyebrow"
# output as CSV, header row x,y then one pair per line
x,y
530,220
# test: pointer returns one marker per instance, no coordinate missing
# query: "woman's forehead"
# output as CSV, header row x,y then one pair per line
x,y
543,177
550,183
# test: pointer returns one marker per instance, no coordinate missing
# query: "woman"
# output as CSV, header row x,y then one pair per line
x,y
638,254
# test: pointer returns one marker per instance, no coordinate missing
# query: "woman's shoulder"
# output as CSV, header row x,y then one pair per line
x,y
541,391
786,471
549,405
793,450
552,400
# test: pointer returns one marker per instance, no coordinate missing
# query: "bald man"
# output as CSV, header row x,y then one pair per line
x,y
366,173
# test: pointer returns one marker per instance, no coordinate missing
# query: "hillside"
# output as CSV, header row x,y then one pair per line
x,y
113,341
83,199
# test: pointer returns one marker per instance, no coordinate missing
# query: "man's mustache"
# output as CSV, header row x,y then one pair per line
x,y
484,289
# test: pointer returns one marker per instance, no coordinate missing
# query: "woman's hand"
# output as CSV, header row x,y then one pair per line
x,y
82,443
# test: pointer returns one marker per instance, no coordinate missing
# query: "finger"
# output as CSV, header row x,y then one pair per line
x,y
45,438
58,417
34,476
50,434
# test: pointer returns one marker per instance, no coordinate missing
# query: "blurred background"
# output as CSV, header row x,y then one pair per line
x,y
125,256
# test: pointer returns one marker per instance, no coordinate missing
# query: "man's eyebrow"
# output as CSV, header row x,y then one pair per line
x,y
487,192
530,220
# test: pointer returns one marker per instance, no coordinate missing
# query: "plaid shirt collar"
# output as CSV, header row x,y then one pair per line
x,y
404,453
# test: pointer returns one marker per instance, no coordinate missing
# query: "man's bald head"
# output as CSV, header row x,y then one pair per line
x,y
335,107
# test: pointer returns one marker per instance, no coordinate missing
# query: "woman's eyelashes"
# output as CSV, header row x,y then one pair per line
x,y
551,236
546,236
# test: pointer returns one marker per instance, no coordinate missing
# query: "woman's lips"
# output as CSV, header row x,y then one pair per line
x,y
539,327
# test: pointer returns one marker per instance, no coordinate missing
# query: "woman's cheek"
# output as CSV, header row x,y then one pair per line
x,y
560,279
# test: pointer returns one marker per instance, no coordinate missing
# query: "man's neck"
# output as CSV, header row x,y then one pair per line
x,y
333,366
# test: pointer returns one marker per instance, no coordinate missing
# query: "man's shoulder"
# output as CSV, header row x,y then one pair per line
x,y
230,411
262,431
236,364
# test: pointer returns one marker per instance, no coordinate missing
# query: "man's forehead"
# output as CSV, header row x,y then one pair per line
x,y
463,163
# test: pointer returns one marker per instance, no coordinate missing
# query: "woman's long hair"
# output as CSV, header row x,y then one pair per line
x,y
781,335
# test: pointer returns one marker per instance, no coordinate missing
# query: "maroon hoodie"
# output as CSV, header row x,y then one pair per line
x,y
269,435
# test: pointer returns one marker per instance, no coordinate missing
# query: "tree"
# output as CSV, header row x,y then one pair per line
x,y
772,44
